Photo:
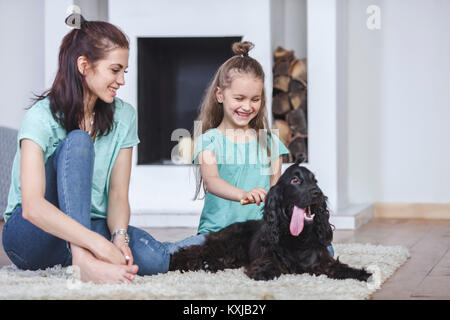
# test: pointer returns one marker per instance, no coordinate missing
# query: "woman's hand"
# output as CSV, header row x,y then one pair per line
x,y
256,195
119,242
106,251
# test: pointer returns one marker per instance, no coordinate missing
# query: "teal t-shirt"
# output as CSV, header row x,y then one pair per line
x,y
40,127
244,165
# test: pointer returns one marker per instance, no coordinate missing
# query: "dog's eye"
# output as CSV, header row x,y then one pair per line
x,y
296,180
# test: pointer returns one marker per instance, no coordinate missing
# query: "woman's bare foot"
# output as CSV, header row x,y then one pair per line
x,y
97,271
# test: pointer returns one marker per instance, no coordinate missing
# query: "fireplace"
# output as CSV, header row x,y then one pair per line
x,y
173,74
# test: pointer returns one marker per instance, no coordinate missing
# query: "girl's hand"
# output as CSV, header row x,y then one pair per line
x,y
119,242
256,195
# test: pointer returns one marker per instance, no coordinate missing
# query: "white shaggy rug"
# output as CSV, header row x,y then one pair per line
x,y
60,283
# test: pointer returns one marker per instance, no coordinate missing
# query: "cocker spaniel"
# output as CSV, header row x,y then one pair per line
x,y
292,237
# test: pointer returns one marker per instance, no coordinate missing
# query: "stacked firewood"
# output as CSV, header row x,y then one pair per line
x,y
289,103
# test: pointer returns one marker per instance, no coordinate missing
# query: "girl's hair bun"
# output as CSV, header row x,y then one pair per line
x,y
242,48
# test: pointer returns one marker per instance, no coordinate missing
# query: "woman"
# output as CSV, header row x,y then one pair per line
x,y
69,190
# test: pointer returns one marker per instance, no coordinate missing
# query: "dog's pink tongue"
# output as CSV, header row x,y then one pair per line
x,y
297,220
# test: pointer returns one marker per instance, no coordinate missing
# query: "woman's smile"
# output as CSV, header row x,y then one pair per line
x,y
113,90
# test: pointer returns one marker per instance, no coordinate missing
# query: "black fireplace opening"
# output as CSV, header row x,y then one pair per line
x,y
173,74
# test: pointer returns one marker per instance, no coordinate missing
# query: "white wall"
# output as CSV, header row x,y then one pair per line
x,y
415,113
295,27
30,35
289,25
56,29
364,104
93,9
327,99
21,57
399,102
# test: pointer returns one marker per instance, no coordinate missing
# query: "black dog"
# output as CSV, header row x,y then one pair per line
x,y
292,237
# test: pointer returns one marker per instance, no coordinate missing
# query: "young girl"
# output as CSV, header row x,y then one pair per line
x,y
239,157
68,200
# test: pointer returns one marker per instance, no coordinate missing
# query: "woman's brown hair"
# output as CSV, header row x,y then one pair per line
x,y
93,40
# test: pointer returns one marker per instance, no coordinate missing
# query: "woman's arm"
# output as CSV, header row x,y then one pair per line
x,y
44,215
118,216
219,187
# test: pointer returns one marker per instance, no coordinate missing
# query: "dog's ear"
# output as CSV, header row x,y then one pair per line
x,y
272,211
300,159
322,226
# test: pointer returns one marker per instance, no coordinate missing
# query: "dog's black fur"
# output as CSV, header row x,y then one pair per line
x,y
266,248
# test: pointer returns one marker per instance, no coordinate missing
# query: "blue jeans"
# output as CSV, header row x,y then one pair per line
x,y
331,250
68,186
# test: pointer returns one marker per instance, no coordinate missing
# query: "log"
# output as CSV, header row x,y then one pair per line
x,y
296,86
186,149
281,68
287,158
297,94
295,99
297,147
281,54
297,70
284,133
280,104
296,120
281,83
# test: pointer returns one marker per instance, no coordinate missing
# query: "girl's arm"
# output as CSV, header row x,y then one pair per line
x,y
118,216
44,215
219,187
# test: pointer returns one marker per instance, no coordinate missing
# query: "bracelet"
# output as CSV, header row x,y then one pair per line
x,y
123,232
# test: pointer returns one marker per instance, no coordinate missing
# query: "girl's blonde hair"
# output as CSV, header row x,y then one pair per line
x,y
211,111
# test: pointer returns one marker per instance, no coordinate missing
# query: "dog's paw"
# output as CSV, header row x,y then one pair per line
x,y
209,267
262,276
364,276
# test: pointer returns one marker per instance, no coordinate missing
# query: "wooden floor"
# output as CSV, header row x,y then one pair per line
x,y
426,275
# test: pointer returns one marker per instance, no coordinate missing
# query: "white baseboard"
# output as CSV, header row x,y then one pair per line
x,y
351,218
166,220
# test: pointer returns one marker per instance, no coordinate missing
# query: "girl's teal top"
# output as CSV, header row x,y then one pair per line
x,y
244,165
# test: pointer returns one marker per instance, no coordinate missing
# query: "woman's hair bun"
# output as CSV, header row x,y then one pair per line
x,y
75,20
242,48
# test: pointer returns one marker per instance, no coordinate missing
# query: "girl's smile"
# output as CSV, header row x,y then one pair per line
x,y
243,114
